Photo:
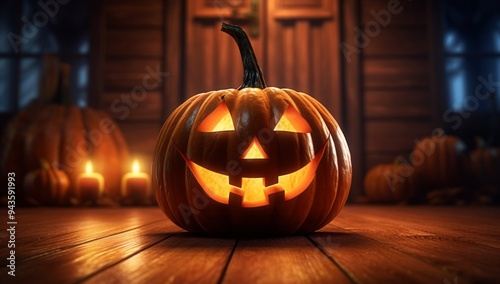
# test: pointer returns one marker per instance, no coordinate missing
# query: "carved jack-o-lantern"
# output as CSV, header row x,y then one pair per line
x,y
254,174
258,160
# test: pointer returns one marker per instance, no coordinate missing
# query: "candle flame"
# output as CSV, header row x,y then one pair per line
x,y
135,166
88,167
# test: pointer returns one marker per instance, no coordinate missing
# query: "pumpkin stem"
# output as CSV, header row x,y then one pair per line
x,y
54,86
62,95
252,74
49,80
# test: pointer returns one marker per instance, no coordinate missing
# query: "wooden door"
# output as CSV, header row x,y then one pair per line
x,y
296,42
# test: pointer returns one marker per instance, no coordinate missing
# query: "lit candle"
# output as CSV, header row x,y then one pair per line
x,y
90,185
136,186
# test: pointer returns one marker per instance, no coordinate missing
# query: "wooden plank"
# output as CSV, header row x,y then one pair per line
x,y
288,56
81,261
384,136
333,67
276,55
281,260
309,10
213,60
317,80
125,74
476,224
155,3
352,72
413,14
207,62
183,258
448,242
273,48
48,230
396,73
131,14
367,260
221,59
137,42
210,9
174,51
398,103
228,70
145,109
399,42
302,57
329,67
193,72
372,244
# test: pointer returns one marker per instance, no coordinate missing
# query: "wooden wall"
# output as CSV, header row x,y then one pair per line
x,y
296,49
385,95
397,106
130,66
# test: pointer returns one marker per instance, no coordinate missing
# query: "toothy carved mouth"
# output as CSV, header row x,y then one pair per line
x,y
253,192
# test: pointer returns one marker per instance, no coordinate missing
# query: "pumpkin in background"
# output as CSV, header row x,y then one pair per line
x,y
257,160
390,183
485,159
440,161
485,165
66,136
46,185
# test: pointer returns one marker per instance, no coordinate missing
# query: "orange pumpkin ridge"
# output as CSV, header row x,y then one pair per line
x,y
55,132
46,185
254,161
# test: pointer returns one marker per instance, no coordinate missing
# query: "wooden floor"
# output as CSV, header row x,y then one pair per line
x,y
364,244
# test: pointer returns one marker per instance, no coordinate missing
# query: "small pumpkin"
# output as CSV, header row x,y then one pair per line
x,y
440,161
257,160
46,185
390,183
66,136
485,159
485,165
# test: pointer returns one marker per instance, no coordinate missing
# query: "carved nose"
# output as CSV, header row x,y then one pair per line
x,y
254,151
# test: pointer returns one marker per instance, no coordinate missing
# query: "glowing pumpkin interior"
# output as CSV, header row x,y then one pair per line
x,y
253,191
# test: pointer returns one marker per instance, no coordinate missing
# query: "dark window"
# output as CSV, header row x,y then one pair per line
x,y
30,29
472,51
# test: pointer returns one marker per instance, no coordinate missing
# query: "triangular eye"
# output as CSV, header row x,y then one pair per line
x,y
219,120
292,121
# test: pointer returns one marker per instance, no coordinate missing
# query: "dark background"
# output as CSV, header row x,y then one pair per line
x,y
388,80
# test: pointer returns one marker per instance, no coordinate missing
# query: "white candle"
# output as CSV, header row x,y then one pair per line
x,y
136,186
90,185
